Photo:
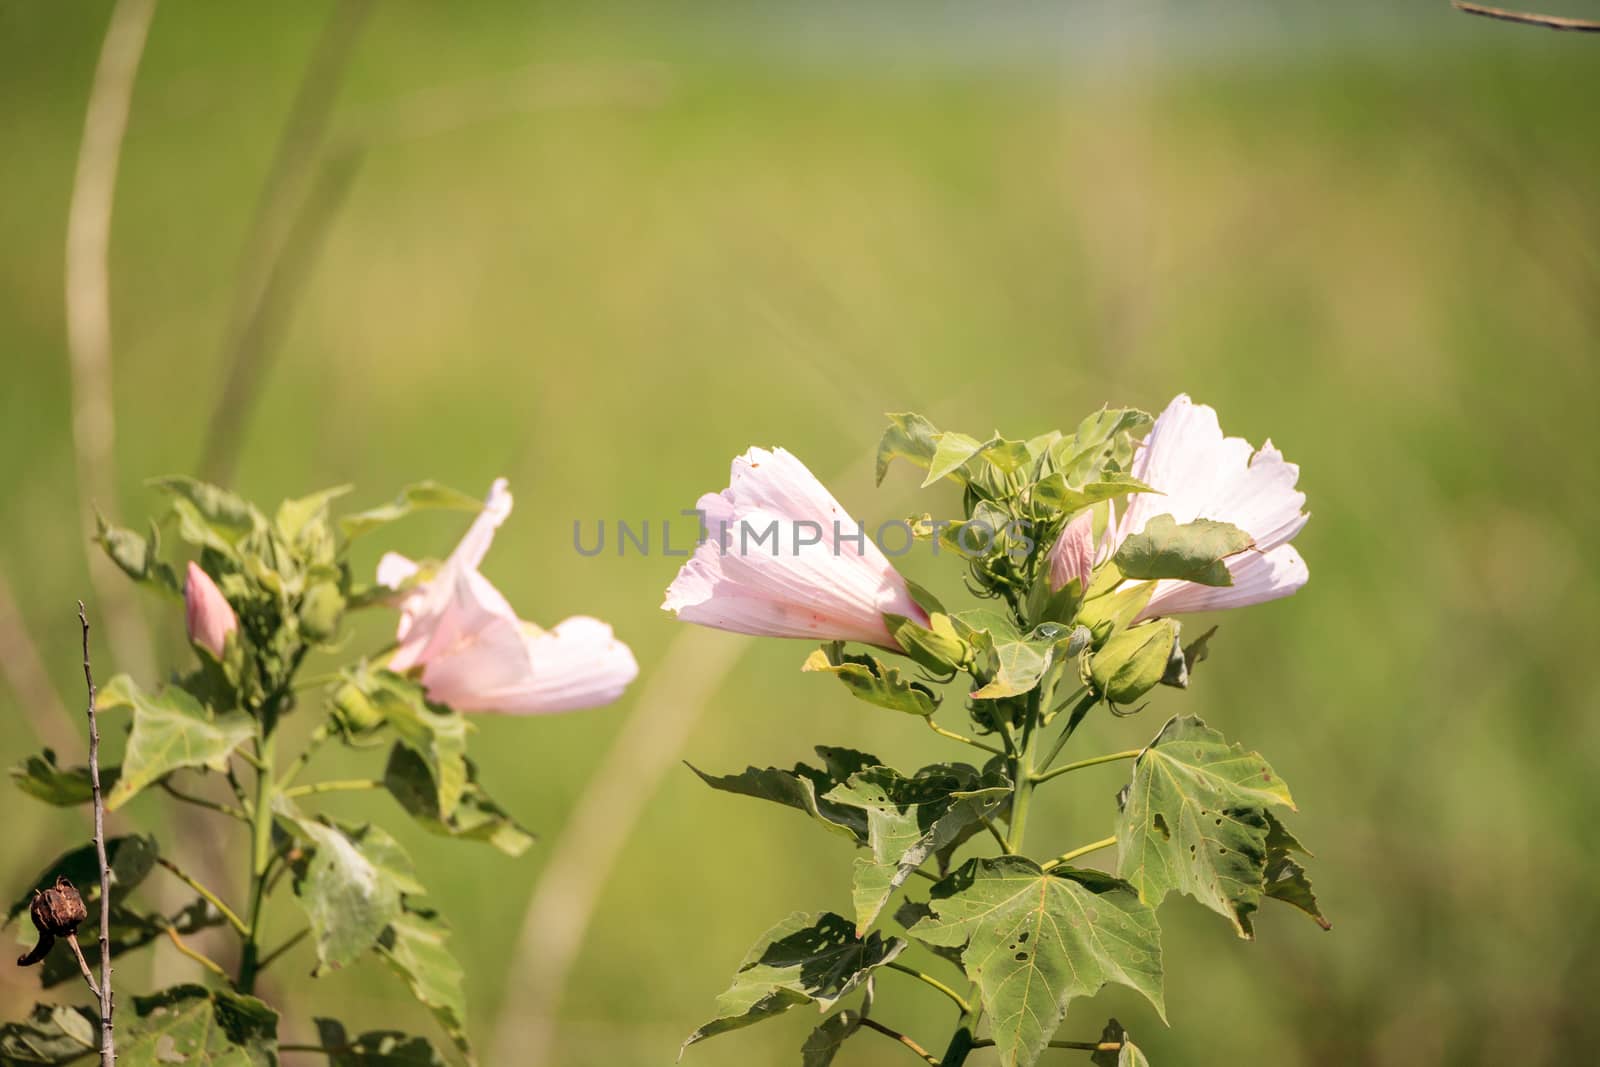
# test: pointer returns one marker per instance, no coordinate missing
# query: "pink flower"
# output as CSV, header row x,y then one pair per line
x,y
783,559
476,655
206,612
1202,475
1074,554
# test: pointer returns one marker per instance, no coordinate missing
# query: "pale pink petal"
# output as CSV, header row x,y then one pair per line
x,y
781,559
394,569
1073,554
206,612
579,664
1257,578
475,545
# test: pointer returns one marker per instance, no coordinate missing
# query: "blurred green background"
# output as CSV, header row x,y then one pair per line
x,y
601,251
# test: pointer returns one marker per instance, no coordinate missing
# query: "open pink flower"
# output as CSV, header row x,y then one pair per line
x,y
206,612
476,655
1200,474
783,559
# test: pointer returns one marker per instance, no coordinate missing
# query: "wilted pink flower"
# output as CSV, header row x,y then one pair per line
x,y
206,612
783,559
1200,474
476,655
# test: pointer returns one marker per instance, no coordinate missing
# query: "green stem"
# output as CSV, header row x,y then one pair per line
x,y
266,961
210,897
873,1024
959,1000
1086,699
963,738
1083,850
314,742
260,855
341,786
201,802
1132,753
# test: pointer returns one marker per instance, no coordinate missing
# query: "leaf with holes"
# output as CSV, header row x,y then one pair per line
x,y
806,959
171,730
1286,879
376,1048
350,886
805,788
414,948
909,820
1194,820
1034,939
869,678
197,1027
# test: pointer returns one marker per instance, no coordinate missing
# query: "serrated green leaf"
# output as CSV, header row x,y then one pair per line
x,y
1285,878
908,436
1015,663
806,959
950,453
805,788
171,730
1127,1054
824,1043
130,859
1033,940
197,1027
869,678
414,948
437,736
476,818
350,886
52,1034
909,819
423,496
43,779
1193,552
1193,820
137,557
376,1048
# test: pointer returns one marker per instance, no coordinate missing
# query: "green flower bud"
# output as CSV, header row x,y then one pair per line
x,y
320,611
353,712
1134,661
936,646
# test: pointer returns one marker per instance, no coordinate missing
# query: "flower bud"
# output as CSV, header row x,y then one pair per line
x,y
320,611
209,618
1072,556
1134,661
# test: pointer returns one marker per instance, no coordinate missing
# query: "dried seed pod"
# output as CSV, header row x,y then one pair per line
x,y
57,912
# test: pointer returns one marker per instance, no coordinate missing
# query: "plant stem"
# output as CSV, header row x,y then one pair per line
x,y
1086,699
260,852
210,897
203,960
963,738
873,1024
108,1047
266,961
957,998
201,802
1132,753
342,786
314,742
1083,850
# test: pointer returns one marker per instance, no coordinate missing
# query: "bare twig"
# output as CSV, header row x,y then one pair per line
x,y
1528,18
83,964
88,313
108,1050
296,201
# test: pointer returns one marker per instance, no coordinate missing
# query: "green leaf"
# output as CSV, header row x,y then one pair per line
x,y
1053,492
806,959
414,948
1015,663
951,452
52,1034
171,730
438,736
1102,442
130,858
218,507
197,1027
1193,820
1033,940
138,558
824,1043
908,436
376,1048
1285,878
43,779
909,820
350,886
423,496
805,788
130,931
296,516
1126,1056
476,818
1193,552
869,679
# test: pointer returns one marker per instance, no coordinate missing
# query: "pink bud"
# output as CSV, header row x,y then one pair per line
x,y
1073,555
206,611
